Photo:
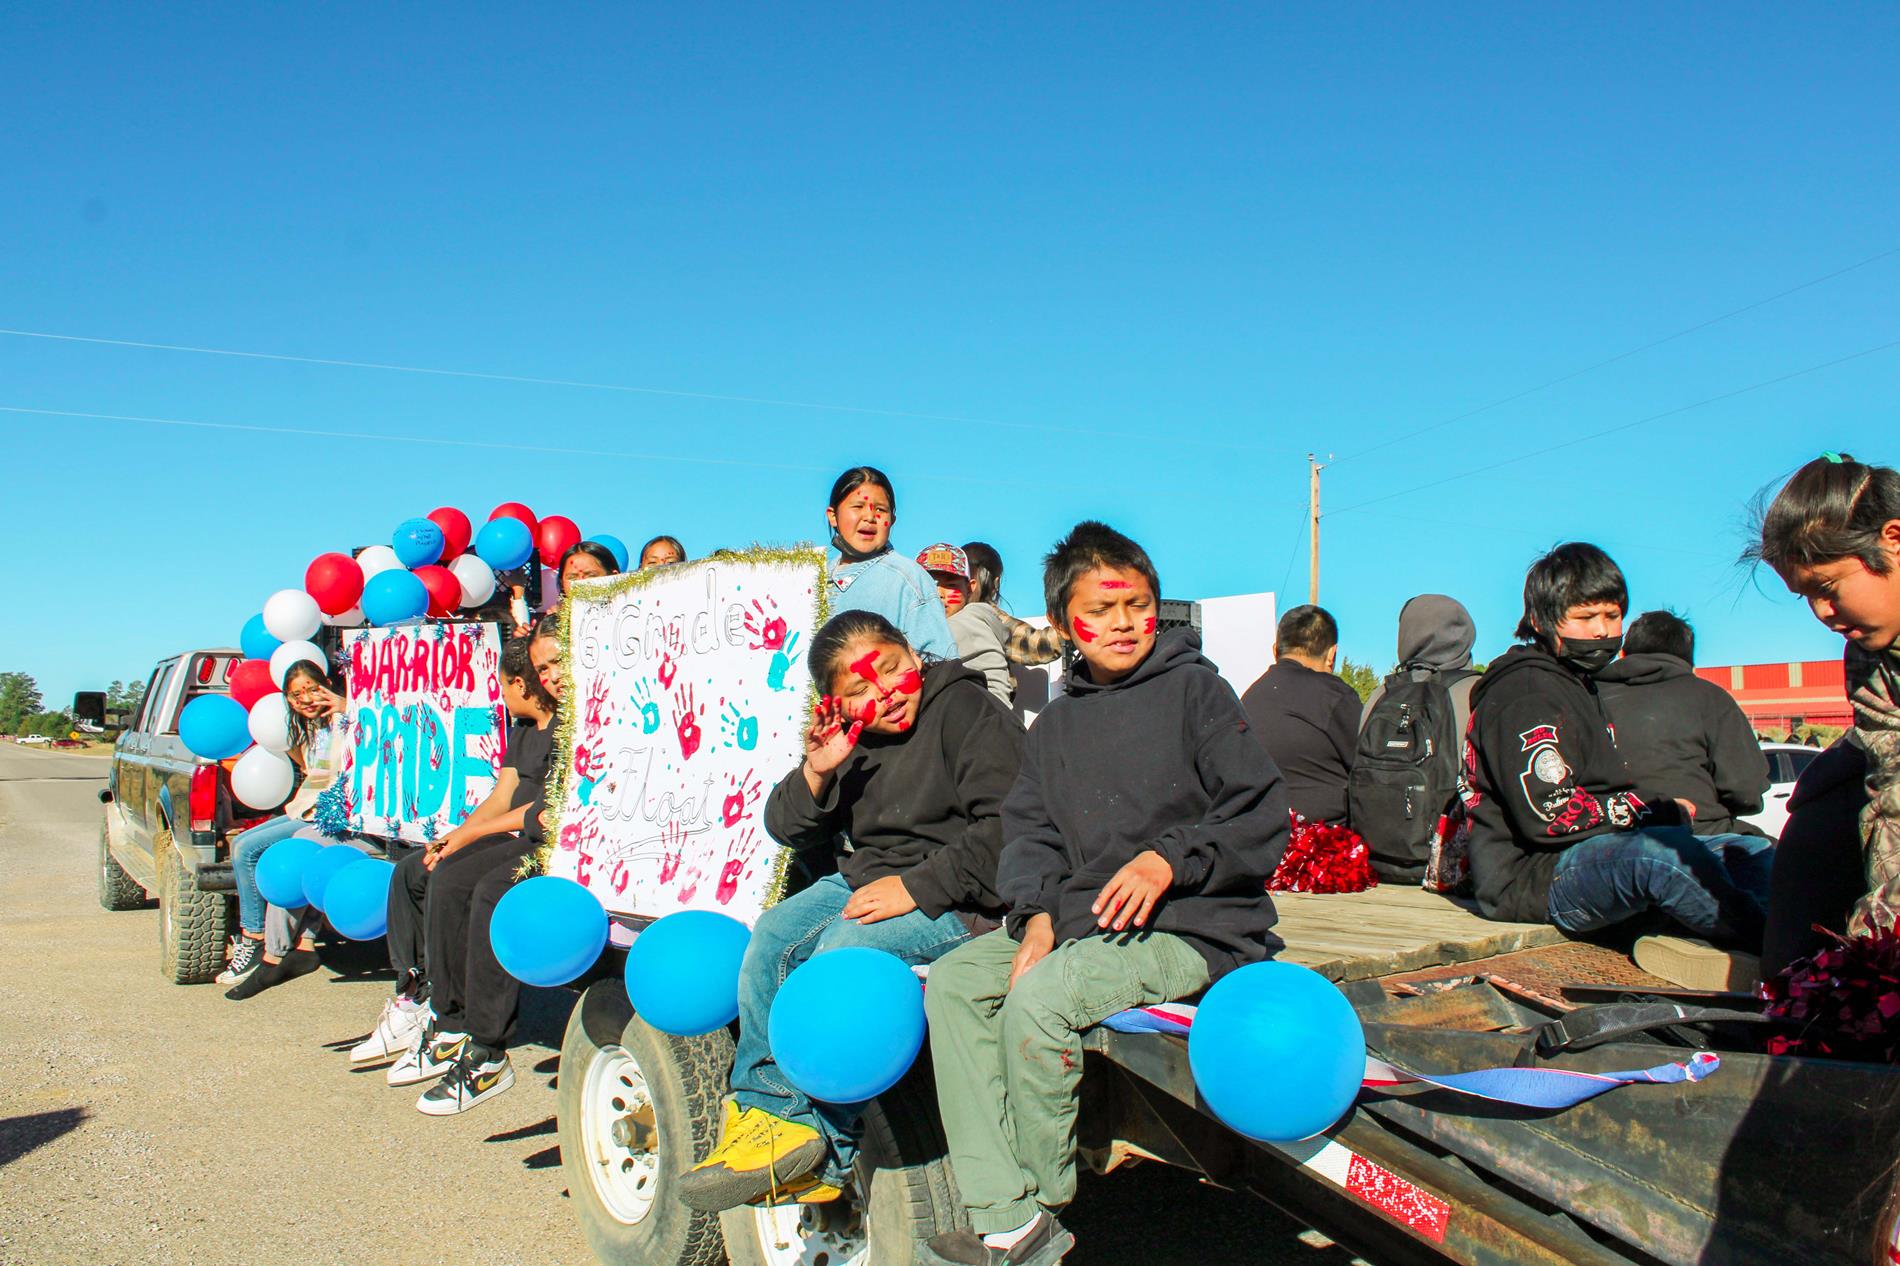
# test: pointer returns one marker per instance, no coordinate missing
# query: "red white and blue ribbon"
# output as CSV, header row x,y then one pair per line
x,y
1547,1088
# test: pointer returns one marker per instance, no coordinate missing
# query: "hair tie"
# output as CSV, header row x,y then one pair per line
x,y
1835,458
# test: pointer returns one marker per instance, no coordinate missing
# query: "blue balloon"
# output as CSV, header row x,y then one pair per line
x,y
504,544
546,930
1277,1052
417,542
280,871
850,1052
357,899
393,596
683,972
214,727
325,866
616,547
256,641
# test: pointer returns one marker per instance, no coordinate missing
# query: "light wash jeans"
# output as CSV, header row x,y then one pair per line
x,y
281,928
785,936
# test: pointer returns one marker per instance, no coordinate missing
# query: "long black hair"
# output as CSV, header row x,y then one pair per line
x,y
674,541
518,665
592,549
856,478
303,728
1834,507
826,659
986,571
1573,574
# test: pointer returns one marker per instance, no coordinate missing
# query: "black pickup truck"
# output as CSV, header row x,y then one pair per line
x,y
167,818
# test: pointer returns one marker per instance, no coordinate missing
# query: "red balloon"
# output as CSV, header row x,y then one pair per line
x,y
456,531
335,581
556,535
514,510
250,681
445,591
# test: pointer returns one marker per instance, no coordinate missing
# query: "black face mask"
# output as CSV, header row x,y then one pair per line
x,y
1590,656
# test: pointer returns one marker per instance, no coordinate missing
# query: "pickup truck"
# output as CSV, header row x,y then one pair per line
x,y
167,818
1772,1161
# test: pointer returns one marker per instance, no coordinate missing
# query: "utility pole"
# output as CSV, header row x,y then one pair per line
x,y
1312,510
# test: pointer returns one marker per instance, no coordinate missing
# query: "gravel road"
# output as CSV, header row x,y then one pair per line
x,y
143,1122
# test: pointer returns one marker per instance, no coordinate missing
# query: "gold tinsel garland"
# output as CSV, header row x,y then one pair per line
x,y
609,588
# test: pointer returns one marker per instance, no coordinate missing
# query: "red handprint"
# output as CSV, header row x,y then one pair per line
x,y
672,846
739,853
589,762
691,885
767,630
596,712
744,793
686,722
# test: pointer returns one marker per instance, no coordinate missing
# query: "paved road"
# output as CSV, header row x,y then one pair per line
x,y
142,1122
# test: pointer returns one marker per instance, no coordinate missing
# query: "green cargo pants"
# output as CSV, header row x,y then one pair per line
x,y
1009,1062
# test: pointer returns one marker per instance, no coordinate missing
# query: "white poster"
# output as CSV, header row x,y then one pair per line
x,y
687,699
427,727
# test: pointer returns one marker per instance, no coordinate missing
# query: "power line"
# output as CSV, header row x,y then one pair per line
x,y
1624,426
1620,356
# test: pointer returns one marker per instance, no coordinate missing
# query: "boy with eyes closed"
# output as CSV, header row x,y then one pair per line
x,y
1137,844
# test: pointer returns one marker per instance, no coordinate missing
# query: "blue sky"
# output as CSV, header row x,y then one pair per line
x,y
1149,258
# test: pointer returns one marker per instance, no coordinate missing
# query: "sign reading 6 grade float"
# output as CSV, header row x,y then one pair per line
x,y
686,700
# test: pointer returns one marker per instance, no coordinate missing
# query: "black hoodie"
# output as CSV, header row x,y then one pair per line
x,y
1542,773
924,805
1683,736
1160,760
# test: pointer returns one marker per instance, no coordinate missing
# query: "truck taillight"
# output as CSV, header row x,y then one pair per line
x,y
204,798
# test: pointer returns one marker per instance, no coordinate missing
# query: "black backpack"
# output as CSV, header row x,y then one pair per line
x,y
1405,771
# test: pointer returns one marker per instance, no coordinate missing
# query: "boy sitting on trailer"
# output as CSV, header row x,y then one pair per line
x,y
1138,841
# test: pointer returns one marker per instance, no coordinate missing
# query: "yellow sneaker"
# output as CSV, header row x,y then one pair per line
x,y
758,1154
811,1189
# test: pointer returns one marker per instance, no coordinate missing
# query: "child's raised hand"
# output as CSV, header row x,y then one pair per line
x,y
832,735
1131,895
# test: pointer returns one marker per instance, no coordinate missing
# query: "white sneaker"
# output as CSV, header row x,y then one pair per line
x,y
430,1055
247,952
479,1074
395,1032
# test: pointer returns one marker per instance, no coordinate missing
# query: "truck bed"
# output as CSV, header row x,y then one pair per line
x,y
1394,928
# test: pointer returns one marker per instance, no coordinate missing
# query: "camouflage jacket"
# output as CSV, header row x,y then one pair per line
x,y
1873,687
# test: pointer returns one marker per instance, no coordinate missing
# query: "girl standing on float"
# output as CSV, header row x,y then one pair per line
x,y
866,574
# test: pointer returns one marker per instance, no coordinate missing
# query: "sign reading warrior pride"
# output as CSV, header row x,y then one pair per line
x,y
687,697
427,727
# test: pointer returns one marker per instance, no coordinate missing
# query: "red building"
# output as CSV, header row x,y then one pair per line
x,y
1775,696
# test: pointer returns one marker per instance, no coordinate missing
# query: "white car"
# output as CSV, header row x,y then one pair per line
x,y
1785,763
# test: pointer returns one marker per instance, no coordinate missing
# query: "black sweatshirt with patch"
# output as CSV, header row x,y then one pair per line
x,y
925,805
1541,773
1164,760
1683,736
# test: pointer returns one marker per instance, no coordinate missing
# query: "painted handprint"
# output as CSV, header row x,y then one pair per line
x,y
649,710
672,651
672,848
738,730
597,710
686,722
739,853
781,664
765,626
744,794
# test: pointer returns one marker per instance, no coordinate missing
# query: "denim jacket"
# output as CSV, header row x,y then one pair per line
x,y
899,590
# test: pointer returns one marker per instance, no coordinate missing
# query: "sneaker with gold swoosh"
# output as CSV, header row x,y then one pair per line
x,y
481,1073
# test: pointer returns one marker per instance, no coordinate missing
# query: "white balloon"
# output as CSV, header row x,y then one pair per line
x,y
289,653
270,723
291,615
348,620
261,778
377,558
477,577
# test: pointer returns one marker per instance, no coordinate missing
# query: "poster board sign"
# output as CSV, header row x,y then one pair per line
x,y
427,727
687,699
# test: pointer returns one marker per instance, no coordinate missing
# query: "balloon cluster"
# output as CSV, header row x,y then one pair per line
x,y
351,889
432,567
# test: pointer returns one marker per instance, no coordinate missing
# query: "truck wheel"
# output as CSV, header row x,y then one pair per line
x,y
117,890
190,923
635,1108
912,1195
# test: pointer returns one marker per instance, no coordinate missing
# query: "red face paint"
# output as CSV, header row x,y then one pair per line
x,y
868,713
1148,625
866,667
1083,633
910,683
1115,584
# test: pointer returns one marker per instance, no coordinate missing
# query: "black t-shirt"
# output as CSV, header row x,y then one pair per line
x,y
530,751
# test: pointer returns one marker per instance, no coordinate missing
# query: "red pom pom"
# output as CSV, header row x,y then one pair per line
x,y
1323,857
1845,999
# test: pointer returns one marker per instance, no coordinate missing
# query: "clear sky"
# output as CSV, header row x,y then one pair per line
x,y
1044,262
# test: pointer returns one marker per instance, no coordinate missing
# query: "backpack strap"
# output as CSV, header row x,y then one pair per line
x,y
1612,1022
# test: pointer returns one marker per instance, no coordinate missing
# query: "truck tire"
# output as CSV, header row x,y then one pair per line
x,y
912,1194
117,890
635,1107
190,923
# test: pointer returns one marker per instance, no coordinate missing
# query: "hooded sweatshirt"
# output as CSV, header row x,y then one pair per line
x,y
924,804
1683,736
1160,760
1309,721
1542,773
1435,634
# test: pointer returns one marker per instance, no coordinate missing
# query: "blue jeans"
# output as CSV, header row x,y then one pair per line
x,y
785,936
245,851
1716,886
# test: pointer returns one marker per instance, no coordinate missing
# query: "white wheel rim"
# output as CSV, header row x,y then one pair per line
x,y
809,1235
626,1178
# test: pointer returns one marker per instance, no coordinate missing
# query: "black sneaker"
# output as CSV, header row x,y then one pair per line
x,y
481,1073
300,962
1047,1243
247,955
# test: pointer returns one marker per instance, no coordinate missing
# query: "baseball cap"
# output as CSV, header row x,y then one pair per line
x,y
944,556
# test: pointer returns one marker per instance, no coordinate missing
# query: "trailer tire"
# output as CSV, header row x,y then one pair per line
x,y
613,1061
117,890
190,922
902,1164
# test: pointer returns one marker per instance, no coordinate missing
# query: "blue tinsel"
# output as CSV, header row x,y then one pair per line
x,y
330,815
